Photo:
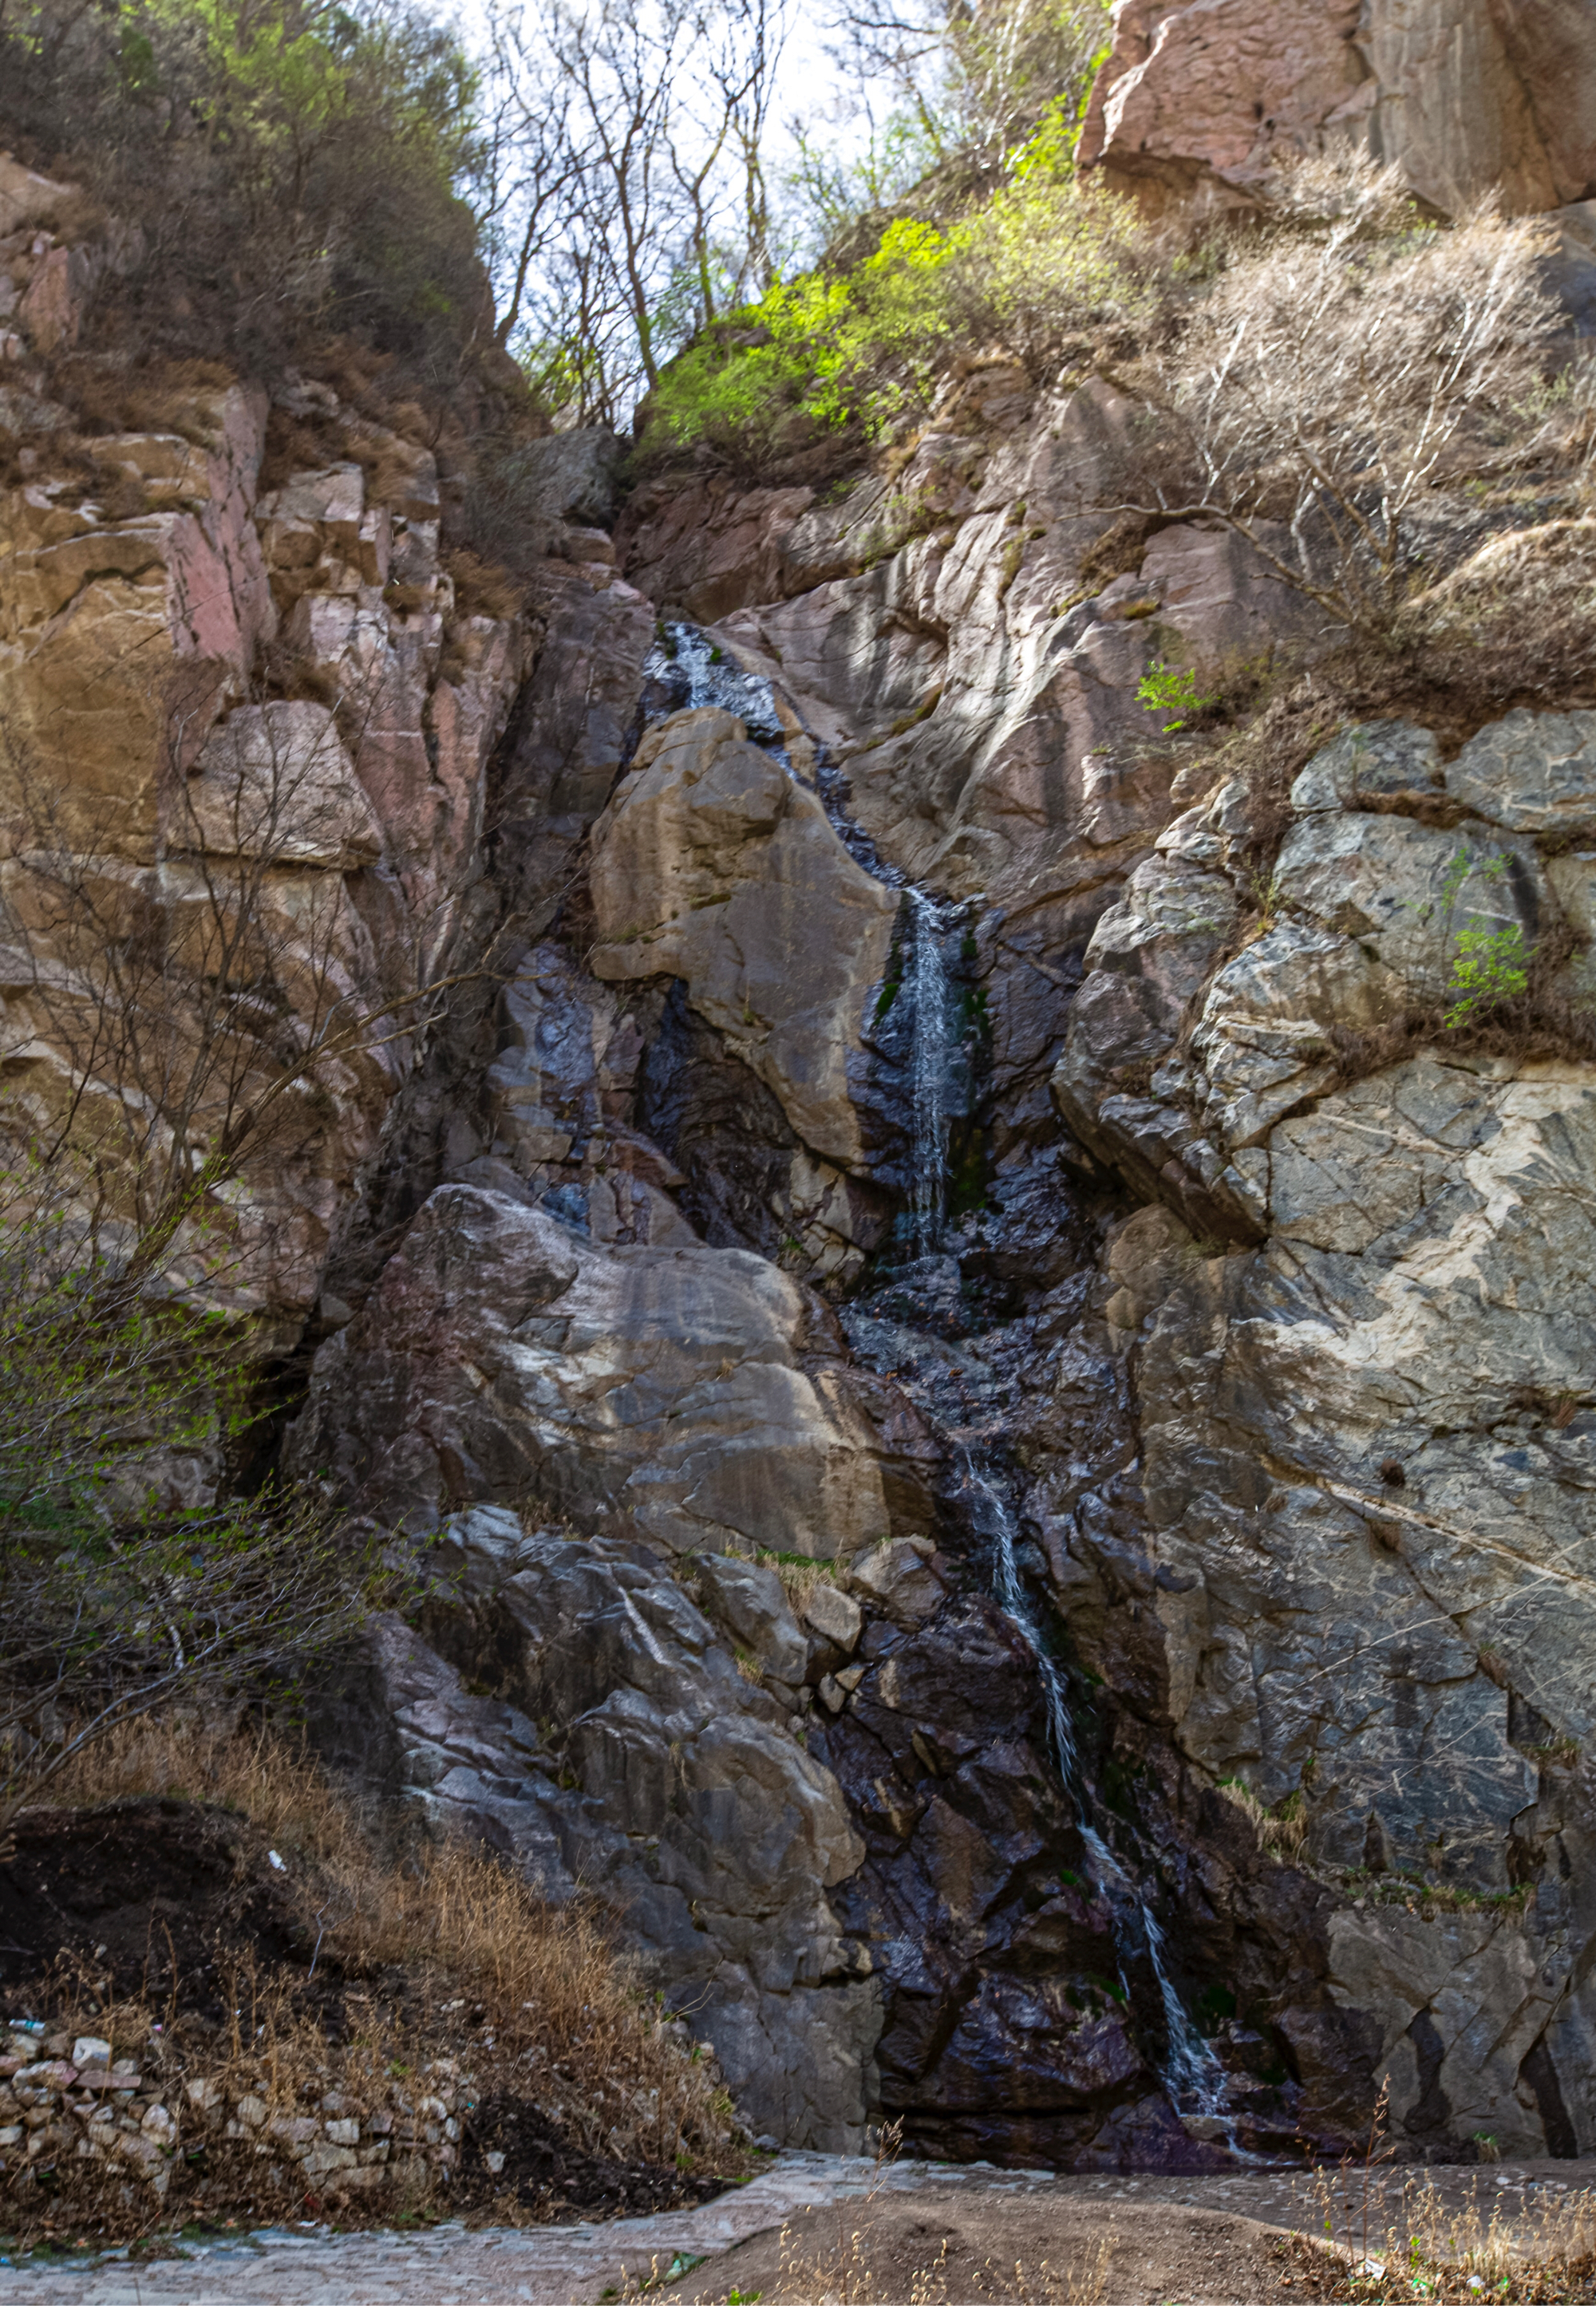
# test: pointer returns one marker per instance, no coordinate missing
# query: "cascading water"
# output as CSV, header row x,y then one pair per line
x,y
1192,2075
929,995
686,670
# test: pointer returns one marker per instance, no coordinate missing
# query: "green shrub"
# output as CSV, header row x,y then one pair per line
x,y
1045,258
290,164
1490,966
1163,690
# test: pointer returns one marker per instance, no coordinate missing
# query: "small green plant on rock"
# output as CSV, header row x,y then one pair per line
x,y
1162,689
1489,966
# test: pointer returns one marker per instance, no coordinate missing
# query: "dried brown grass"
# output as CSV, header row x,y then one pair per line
x,y
482,587
424,1932
1281,1830
821,2268
156,395
1377,2250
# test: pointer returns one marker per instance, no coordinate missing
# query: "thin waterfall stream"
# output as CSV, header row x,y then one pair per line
x,y
687,670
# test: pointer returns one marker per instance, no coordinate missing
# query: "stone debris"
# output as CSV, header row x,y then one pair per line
x,y
108,2112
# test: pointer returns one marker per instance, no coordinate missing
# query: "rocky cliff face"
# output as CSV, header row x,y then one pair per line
x,y
256,714
999,1438
1468,97
1222,1425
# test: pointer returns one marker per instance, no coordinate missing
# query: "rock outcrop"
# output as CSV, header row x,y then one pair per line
x,y
627,1752
714,865
673,1394
1201,102
261,718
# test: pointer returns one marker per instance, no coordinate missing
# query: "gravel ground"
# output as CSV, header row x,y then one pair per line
x,y
1220,2257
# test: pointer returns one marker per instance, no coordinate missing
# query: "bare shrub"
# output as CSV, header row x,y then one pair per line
x,y
1333,378
126,1582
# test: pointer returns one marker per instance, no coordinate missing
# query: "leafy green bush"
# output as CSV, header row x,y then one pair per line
x,y
1163,690
290,164
813,357
1047,257
1490,966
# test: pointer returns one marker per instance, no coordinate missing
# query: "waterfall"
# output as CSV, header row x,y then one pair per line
x,y
690,672
931,1063
1192,2074
686,670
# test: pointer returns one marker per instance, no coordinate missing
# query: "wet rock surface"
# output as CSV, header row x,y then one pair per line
x,y
1179,1411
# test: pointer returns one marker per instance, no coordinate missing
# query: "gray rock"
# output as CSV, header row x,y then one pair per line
x,y
664,1787
1429,1221
1263,1038
1408,891
1358,1173
1570,271
1167,927
1150,1255
898,1579
572,476
834,1615
714,865
1531,772
1371,756
751,1601
649,1393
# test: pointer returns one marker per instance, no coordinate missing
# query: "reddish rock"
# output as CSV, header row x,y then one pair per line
x,y
1197,102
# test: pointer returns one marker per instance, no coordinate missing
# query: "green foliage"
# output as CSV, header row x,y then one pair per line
x,y
290,161
1488,967
1162,689
825,353
864,349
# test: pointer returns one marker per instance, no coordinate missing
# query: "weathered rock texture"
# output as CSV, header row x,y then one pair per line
x,y
623,1749
1202,101
1256,1343
150,621
667,1393
714,865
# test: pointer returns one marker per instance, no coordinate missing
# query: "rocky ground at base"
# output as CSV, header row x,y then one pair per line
x,y
912,2233
186,2042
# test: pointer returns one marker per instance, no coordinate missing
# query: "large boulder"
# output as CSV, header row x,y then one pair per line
x,y
572,1706
712,864
275,780
663,1393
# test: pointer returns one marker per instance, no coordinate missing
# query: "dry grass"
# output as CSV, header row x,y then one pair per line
x,y
841,2271
440,1952
1281,1830
158,395
482,588
1377,2251
266,1779
799,1576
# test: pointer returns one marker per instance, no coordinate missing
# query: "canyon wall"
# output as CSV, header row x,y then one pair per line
x,y
1087,1652
1201,102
